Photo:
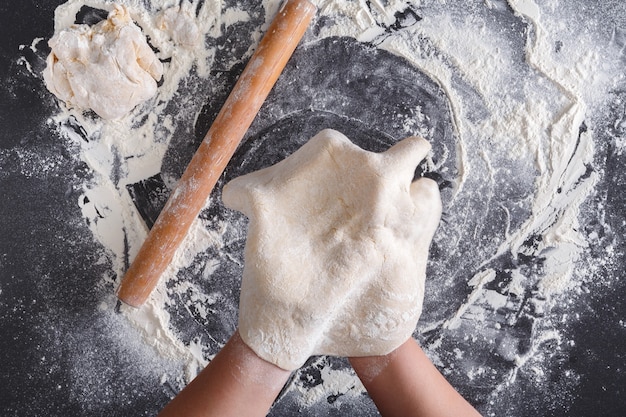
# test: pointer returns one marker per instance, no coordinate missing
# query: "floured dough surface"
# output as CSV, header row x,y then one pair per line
x,y
108,68
336,252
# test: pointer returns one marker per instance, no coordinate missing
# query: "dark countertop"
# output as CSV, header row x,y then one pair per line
x,y
64,352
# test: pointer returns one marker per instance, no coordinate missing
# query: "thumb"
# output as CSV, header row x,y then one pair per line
x,y
427,202
403,157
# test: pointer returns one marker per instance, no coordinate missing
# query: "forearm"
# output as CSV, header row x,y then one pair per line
x,y
235,383
406,383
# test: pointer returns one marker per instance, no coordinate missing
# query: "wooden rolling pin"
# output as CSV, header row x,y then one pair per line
x,y
193,189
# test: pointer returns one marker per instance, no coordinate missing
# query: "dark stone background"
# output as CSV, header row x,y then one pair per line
x,y
51,269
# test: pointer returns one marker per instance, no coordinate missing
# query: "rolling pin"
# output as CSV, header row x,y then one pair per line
x,y
218,146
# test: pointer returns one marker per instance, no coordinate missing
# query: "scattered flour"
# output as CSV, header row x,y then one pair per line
x,y
502,111
131,148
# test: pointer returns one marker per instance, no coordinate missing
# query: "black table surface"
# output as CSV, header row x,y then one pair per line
x,y
59,357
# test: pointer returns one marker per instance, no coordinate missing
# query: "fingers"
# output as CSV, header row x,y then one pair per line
x,y
403,157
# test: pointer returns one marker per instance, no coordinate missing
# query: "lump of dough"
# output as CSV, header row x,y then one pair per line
x,y
336,252
108,68
180,25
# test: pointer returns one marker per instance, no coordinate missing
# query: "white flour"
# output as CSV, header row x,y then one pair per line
x,y
131,149
528,113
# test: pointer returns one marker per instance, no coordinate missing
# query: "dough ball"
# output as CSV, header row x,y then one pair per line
x,y
108,68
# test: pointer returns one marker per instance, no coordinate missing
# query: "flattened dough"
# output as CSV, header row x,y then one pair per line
x,y
108,68
336,251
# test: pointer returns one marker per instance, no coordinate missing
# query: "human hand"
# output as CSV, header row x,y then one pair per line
x,y
235,383
406,383
337,247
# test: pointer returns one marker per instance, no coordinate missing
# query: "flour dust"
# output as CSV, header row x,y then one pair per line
x,y
524,92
